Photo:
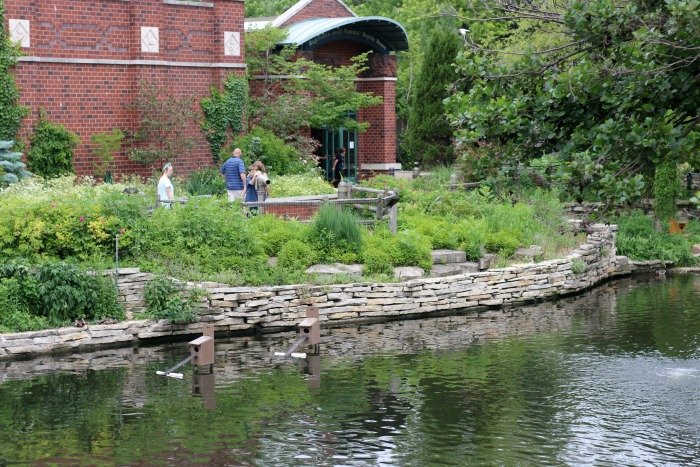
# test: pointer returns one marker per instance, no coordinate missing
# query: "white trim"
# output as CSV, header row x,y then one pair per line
x,y
386,78
388,166
189,3
90,61
296,8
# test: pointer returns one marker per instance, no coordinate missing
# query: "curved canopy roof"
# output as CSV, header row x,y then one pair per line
x,y
381,34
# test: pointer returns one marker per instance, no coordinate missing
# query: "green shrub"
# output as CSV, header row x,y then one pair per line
x,y
637,239
52,146
578,266
503,242
333,229
272,232
60,293
413,249
165,300
278,157
296,255
105,147
304,184
377,261
206,181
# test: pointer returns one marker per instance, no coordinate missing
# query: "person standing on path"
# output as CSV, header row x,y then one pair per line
x,y
234,172
338,166
166,192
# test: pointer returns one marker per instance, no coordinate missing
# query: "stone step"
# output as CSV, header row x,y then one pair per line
x,y
453,269
448,256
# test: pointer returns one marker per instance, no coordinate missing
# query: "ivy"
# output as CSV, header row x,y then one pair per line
x,y
11,113
52,146
223,112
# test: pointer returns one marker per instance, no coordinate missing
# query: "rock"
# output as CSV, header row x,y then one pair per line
x,y
448,256
696,248
528,254
408,272
337,268
272,261
486,261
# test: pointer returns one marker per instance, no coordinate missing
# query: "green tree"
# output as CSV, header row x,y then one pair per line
x,y
296,92
11,113
591,95
428,137
165,121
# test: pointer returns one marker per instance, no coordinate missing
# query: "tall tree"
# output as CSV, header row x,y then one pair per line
x,y
591,94
11,113
428,136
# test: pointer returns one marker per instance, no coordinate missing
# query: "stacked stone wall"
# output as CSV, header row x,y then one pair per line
x,y
266,309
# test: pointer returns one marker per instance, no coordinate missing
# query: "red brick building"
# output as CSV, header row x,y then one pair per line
x,y
83,59
328,32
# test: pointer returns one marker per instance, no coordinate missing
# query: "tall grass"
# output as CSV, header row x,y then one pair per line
x,y
335,228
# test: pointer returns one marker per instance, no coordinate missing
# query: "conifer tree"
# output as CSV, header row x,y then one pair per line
x,y
428,136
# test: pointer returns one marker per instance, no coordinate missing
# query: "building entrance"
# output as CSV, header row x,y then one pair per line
x,y
331,141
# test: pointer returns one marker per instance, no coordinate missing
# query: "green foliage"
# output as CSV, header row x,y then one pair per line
x,y
586,96
637,239
578,266
52,146
296,255
303,184
273,232
105,146
313,95
165,300
165,121
55,294
206,181
335,230
11,113
278,157
428,137
667,189
12,169
223,112
262,8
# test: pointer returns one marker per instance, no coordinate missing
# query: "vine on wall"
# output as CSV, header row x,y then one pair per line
x,y
224,112
11,113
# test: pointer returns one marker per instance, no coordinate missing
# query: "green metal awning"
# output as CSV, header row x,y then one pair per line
x,y
381,34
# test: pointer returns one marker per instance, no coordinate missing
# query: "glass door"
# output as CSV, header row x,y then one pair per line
x,y
332,141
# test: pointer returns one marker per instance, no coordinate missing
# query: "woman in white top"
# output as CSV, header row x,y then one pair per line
x,y
166,193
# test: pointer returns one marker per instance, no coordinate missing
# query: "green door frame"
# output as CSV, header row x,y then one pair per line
x,y
333,140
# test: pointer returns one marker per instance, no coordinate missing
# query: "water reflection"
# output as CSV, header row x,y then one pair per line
x,y
610,377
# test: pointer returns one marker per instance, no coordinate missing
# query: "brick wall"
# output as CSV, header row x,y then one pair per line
x,y
85,60
378,144
319,9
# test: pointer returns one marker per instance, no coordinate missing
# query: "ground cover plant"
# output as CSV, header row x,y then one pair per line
x,y
72,221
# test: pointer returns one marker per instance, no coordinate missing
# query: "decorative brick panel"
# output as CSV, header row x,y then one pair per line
x,y
85,60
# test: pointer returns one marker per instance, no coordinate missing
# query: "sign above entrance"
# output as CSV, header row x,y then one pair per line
x,y
365,37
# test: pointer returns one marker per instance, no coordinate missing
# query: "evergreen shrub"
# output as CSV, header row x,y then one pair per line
x,y
12,169
52,146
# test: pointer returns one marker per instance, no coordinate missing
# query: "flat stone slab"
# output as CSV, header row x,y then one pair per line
x,y
528,253
444,270
337,268
448,256
408,272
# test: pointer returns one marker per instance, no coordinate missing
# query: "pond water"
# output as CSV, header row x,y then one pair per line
x,y
610,377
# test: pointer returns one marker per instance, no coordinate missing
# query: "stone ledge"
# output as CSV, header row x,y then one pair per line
x,y
269,308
